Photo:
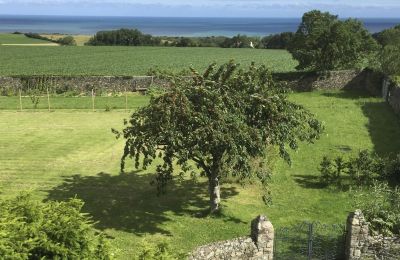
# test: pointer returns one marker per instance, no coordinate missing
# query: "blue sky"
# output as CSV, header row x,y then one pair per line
x,y
206,8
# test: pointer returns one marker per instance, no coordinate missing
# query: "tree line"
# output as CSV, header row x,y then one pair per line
x,y
134,37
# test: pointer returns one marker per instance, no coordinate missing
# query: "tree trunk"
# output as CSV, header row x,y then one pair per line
x,y
214,190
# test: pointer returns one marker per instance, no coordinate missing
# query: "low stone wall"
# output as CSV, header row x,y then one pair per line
x,y
258,246
298,81
343,79
394,99
78,85
360,245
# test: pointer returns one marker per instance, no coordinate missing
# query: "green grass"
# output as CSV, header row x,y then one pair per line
x,y
86,60
6,38
59,154
84,102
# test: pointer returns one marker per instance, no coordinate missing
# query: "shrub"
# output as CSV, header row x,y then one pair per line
x,y
157,251
361,170
51,230
390,60
365,168
381,207
68,40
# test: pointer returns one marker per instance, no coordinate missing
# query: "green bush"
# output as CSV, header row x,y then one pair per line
x,y
51,230
360,170
157,251
381,207
390,60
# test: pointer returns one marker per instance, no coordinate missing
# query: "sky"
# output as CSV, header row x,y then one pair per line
x,y
205,8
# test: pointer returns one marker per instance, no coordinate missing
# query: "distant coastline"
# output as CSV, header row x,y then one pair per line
x,y
166,26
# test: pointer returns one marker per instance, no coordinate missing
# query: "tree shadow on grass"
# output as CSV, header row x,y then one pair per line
x,y
383,124
309,181
384,128
129,203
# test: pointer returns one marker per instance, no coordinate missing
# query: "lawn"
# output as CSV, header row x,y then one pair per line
x,y
6,38
134,100
95,60
65,153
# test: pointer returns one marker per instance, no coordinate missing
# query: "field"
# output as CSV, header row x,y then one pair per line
x,y
6,38
88,60
79,39
60,154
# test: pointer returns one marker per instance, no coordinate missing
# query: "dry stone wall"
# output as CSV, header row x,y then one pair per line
x,y
258,246
360,245
299,81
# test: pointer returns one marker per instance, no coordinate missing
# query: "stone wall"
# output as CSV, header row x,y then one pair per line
x,y
357,236
79,84
360,245
343,79
394,98
258,246
299,81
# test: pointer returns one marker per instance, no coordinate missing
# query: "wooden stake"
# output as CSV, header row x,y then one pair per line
x,y
48,98
126,101
93,100
20,100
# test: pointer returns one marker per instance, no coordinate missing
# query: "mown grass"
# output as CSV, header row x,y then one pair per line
x,y
84,102
7,38
89,60
70,152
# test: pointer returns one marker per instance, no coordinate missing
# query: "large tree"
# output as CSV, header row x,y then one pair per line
x,y
218,121
323,42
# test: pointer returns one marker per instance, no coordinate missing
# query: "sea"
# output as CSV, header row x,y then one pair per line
x,y
166,26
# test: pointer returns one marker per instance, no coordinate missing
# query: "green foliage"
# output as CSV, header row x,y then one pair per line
x,y
123,37
277,41
52,230
219,119
362,170
157,251
365,168
381,207
323,42
67,40
390,59
389,36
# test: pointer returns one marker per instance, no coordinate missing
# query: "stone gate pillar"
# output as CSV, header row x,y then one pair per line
x,y
262,233
357,236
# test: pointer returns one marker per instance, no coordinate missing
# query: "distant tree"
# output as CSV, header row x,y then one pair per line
x,y
390,60
220,121
124,37
68,40
323,42
185,42
277,41
389,36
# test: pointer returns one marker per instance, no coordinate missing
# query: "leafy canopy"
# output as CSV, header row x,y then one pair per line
x,y
52,230
219,120
323,42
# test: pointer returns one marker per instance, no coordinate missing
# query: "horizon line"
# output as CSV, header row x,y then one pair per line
x,y
218,17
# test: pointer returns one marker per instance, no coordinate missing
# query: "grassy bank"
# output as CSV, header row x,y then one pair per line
x,y
89,60
73,152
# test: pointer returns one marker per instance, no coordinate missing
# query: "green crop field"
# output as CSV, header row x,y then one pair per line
x,y
57,155
86,60
6,38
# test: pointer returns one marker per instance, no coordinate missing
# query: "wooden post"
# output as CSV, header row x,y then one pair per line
x,y
20,99
93,100
126,100
48,98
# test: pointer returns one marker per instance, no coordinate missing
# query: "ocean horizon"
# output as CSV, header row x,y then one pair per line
x,y
166,26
